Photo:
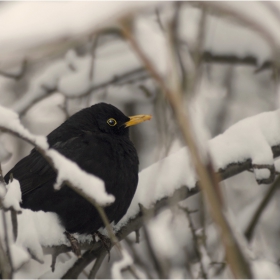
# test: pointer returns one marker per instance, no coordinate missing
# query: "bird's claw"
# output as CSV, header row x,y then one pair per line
x,y
105,241
74,244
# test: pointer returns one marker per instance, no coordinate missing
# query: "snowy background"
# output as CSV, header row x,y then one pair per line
x,y
221,59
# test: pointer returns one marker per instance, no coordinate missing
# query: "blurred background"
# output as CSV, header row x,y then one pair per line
x,y
59,57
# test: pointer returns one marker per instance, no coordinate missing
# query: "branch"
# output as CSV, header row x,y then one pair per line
x,y
195,240
256,217
209,184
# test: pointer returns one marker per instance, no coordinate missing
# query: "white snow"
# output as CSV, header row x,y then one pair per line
x,y
24,24
71,76
13,196
161,230
228,36
121,264
19,256
250,138
265,269
9,120
148,30
40,86
261,173
37,229
89,185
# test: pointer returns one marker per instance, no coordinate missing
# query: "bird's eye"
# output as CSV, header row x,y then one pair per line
x,y
111,122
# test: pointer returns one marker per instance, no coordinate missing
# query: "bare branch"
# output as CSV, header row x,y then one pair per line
x,y
256,217
196,241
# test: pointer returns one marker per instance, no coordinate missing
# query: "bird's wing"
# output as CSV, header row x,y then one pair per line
x,y
32,171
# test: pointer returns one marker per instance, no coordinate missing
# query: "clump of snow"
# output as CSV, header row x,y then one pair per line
x,y
13,196
261,173
9,120
251,138
118,266
19,256
37,229
265,269
163,239
23,29
148,30
89,185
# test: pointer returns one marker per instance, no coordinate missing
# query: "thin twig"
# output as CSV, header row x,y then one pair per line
x,y
7,243
94,46
249,232
5,265
196,241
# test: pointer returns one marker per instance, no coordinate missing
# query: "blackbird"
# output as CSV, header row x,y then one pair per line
x,y
97,139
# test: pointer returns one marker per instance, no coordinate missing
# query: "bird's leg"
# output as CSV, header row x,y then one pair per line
x,y
74,244
105,241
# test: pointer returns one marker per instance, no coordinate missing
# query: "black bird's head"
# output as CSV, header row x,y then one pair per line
x,y
98,118
111,120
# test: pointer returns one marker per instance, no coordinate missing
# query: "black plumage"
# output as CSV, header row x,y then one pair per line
x,y
97,139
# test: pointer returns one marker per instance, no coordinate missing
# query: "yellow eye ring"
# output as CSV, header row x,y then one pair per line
x,y
111,122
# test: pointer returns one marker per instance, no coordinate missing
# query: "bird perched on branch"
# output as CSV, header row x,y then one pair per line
x,y
97,139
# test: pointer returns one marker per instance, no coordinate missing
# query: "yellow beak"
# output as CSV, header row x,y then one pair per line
x,y
137,119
